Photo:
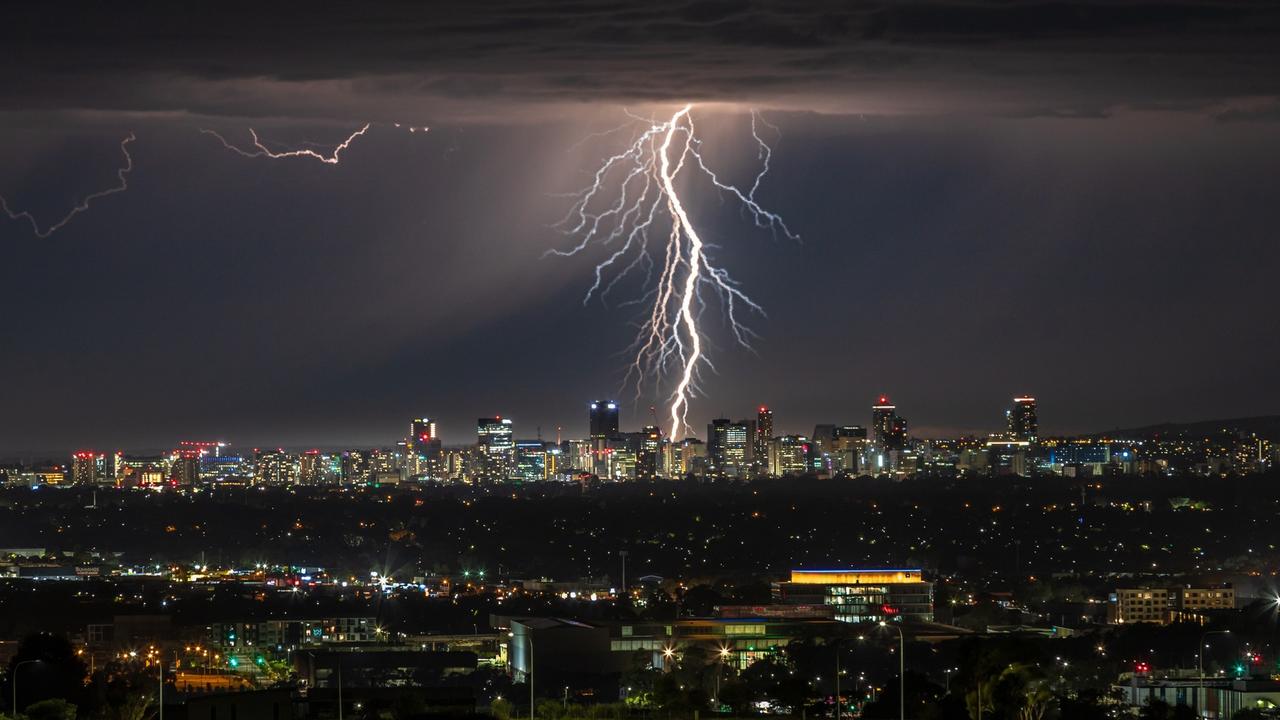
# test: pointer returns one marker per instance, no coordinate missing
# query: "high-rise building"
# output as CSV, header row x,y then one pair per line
x,y
496,448
789,455
604,419
647,455
422,448
531,460
422,431
88,468
764,433
1023,424
730,446
890,429
274,467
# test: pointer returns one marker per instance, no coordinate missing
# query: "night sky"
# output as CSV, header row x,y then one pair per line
x,y
1075,200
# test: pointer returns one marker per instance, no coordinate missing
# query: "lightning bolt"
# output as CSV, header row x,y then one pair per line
x,y
258,149
121,173
629,193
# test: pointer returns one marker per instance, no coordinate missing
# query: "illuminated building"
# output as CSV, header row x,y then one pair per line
x,y
1161,605
764,433
604,419
840,448
1022,419
647,455
141,471
184,470
310,468
531,460
862,595
88,468
356,467
422,448
692,454
496,449
890,429
274,467
729,447
789,455
1008,457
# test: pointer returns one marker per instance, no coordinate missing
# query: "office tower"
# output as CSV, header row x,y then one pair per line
x,y
890,429
763,434
309,468
647,455
422,448
1023,424
185,468
496,448
274,467
531,460
604,419
729,446
88,467
789,455
422,432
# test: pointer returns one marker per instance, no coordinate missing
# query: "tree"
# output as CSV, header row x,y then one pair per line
x,y
501,709
52,709
134,706
58,672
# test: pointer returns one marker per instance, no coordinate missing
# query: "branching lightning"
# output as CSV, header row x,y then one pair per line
x,y
121,173
643,178
259,149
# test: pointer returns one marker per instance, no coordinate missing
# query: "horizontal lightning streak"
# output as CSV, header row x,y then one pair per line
x,y
260,150
121,174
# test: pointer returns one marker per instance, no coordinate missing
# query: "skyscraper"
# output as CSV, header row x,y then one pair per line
x,y
764,433
647,456
422,448
1023,424
604,419
496,448
422,431
890,430
729,446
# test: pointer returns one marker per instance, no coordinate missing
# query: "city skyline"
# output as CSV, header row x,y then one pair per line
x,y
460,431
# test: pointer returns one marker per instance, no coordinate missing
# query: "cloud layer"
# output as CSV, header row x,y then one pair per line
x,y
479,60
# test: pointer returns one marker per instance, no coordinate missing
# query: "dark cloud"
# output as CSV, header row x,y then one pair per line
x,y
477,59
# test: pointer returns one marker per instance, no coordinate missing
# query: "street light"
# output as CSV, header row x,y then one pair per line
x,y
902,670
1200,666
14,681
725,652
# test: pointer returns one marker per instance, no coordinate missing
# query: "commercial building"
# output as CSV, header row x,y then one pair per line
x,y
1022,421
730,446
496,449
531,460
764,433
604,419
789,455
1163,605
866,595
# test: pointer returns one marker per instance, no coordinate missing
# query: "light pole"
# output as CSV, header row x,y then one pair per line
x,y
1200,667
14,681
724,653
902,670
623,554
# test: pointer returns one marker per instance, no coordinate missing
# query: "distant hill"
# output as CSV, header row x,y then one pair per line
x,y
1267,426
